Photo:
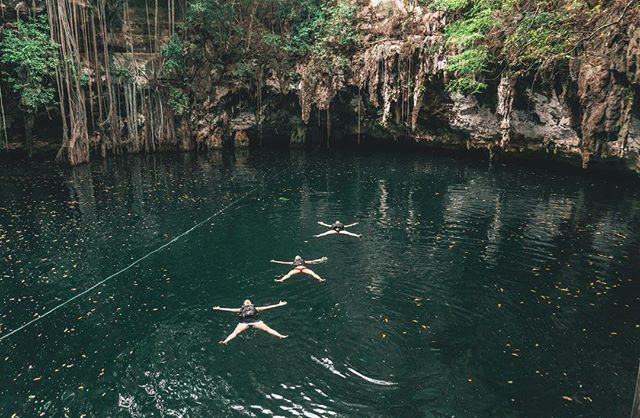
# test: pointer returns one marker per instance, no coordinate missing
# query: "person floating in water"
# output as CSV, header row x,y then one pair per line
x,y
248,314
338,228
300,266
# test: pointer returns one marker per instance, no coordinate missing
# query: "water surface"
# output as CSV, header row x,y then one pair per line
x,y
476,290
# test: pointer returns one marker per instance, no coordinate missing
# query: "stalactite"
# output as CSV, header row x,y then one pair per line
x,y
328,126
506,92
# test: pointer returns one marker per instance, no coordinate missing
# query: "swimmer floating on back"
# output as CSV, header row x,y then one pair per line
x,y
299,266
248,314
338,228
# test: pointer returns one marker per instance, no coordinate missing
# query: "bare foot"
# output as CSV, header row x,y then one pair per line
x,y
222,342
284,336
279,280
322,280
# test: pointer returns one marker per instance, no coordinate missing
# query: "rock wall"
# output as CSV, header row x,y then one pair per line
x,y
394,86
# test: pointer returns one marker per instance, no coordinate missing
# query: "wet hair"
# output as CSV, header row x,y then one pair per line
x,y
247,302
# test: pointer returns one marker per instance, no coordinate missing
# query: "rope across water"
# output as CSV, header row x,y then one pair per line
x,y
134,263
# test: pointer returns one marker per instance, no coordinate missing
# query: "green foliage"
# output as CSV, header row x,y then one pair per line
x,y
178,101
467,36
519,35
173,55
211,18
328,30
244,70
537,38
466,66
466,33
450,5
122,75
31,59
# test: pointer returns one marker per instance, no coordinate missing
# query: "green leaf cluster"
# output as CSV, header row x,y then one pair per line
x,y
538,37
178,101
514,35
173,55
214,19
329,29
30,58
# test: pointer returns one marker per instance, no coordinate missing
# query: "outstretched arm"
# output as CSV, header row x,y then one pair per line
x,y
217,308
329,232
324,224
288,263
317,261
350,225
264,308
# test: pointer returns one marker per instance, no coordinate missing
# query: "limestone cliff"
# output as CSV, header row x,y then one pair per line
x,y
392,85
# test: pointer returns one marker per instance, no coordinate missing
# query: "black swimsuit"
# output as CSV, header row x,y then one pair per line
x,y
248,314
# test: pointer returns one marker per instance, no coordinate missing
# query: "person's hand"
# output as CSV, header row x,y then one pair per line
x,y
324,259
271,261
216,308
282,303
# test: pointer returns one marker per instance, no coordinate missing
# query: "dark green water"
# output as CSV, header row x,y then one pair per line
x,y
475,290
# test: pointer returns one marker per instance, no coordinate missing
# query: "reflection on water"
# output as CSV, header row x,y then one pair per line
x,y
475,291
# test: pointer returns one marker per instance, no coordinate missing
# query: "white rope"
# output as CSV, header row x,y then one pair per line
x,y
47,313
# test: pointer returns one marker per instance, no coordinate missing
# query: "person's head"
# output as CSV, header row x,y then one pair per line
x,y
298,258
247,302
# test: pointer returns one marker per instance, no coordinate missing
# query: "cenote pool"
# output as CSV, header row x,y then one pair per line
x,y
475,291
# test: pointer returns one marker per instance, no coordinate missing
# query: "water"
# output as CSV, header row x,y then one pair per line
x,y
475,290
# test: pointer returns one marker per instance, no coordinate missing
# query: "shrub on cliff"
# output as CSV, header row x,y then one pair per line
x,y
517,36
30,59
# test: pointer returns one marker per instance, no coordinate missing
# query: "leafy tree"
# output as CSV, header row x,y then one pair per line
x,y
30,59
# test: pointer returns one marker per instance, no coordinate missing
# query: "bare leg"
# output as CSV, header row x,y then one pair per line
x,y
291,273
350,233
239,328
264,327
326,233
313,274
